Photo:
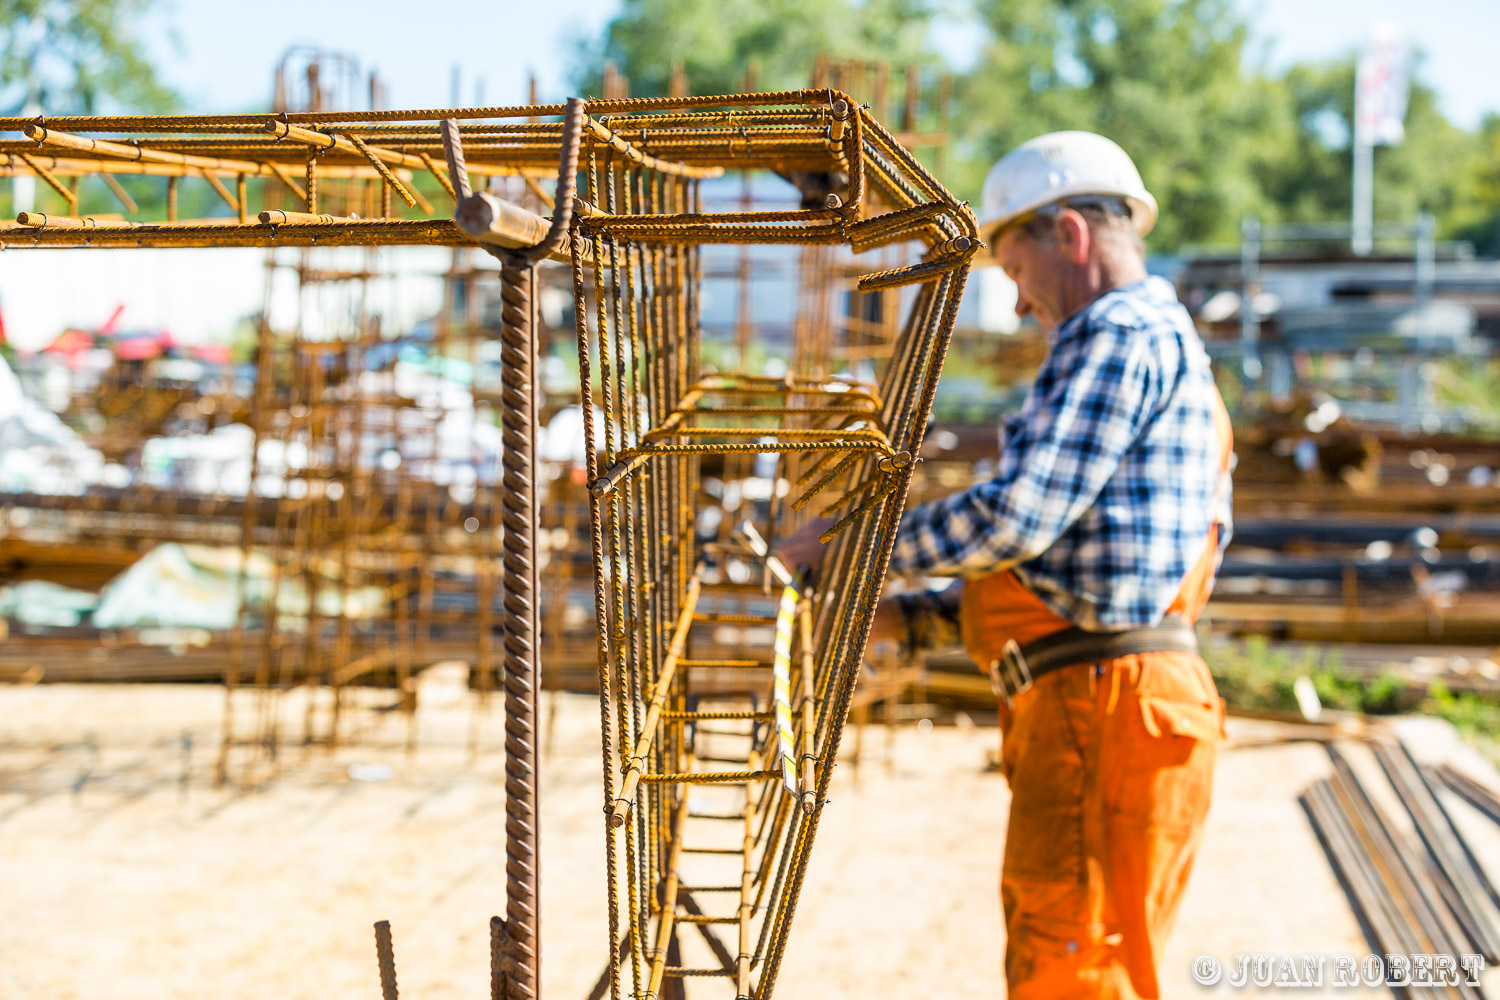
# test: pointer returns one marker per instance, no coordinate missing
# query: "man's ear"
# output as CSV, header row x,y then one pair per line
x,y
1074,239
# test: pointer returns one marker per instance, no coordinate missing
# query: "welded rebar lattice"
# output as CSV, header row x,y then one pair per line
x,y
708,719
698,732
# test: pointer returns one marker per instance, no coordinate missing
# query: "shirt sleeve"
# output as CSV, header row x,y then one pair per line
x,y
1101,393
1224,515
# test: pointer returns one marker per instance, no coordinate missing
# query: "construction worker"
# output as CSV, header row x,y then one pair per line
x,y
1084,563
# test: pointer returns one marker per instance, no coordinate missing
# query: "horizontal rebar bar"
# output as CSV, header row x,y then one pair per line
x,y
715,716
703,918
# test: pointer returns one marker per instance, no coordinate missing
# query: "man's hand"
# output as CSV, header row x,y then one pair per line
x,y
802,548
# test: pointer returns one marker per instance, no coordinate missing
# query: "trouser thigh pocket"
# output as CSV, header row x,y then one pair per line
x,y
1160,753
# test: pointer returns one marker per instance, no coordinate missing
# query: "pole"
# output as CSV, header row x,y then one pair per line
x,y
1425,270
1420,409
1250,366
1363,217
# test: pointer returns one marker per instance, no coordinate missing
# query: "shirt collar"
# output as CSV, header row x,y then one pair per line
x,y
1153,288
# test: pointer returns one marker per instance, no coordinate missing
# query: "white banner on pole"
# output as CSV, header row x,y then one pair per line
x,y
1382,80
1381,86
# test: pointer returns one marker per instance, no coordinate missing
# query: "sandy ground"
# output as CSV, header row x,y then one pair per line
x,y
125,875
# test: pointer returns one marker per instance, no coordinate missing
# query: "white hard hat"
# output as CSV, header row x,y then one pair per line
x,y
1058,166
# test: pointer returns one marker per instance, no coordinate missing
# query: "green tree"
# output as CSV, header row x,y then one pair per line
x,y
716,41
74,57
61,57
1169,81
1178,83
1438,167
1484,231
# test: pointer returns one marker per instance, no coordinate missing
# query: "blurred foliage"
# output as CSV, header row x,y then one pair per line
x,y
82,57
1253,674
1167,81
1178,83
1472,383
1484,231
717,42
1437,168
1476,718
76,57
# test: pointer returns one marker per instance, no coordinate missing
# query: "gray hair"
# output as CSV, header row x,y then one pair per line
x,y
1105,214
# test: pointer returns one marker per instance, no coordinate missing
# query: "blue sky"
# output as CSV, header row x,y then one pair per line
x,y
225,51
1455,37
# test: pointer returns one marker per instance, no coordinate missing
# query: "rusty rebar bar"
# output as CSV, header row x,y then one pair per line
x,y
385,957
519,624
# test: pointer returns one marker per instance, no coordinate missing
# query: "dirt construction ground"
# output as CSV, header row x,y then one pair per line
x,y
125,875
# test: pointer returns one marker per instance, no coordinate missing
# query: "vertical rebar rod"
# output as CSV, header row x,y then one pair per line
x,y
519,937
497,959
385,955
519,623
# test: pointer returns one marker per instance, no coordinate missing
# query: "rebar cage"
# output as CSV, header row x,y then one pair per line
x,y
724,677
723,696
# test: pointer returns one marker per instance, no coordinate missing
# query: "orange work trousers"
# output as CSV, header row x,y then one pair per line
x,y
1110,768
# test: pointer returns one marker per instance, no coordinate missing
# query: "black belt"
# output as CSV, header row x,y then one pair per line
x,y
1020,666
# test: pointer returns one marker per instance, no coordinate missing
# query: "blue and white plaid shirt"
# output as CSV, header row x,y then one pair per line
x,y
1109,475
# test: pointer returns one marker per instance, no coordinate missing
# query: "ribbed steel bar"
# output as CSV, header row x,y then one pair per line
x,y
385,955
745,912
255,122
52,182
125,151
516,942
1352,862
518,512
1359,841
64,166
666,920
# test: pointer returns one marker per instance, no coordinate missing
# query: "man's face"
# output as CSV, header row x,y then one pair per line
x,y
1040,268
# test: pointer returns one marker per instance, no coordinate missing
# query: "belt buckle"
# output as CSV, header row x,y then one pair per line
x,y
1010,677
